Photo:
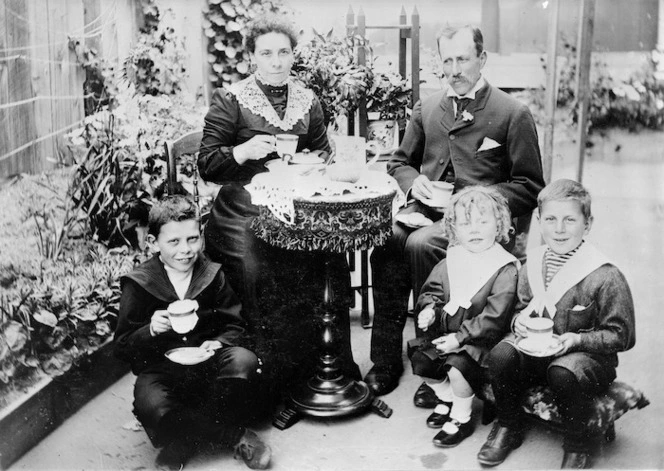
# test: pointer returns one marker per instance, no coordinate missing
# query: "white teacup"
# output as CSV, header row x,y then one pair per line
x,y
540,331
287,145
441,193
182,315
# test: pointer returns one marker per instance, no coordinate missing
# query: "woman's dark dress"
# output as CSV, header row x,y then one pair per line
x,y
280,290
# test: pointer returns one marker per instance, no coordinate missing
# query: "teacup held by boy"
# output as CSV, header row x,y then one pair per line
x,y
182,314
541,340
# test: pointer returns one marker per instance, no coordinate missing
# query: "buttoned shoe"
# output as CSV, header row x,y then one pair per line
x,y
573,460
448,440
175,455
383,379
425,397
440,415
499,443
253,451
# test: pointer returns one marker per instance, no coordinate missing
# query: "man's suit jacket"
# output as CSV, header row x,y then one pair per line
x,y
434,140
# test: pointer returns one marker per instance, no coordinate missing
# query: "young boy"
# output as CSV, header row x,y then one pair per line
x,y
184,406
571,282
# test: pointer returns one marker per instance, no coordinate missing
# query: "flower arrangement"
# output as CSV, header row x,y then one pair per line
x,y
328,67
389,95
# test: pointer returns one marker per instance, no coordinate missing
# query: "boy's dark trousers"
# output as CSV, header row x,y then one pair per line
x,y
208,402
575,378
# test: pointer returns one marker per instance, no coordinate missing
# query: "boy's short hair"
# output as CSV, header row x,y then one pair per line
x,y
171,208
563,190
478,197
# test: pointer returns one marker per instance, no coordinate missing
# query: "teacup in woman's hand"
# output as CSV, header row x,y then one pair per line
x,y
182,315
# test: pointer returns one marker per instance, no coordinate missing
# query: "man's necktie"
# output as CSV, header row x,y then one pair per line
x,y
461,104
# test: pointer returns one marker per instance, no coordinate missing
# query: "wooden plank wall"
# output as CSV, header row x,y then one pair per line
x,y
41,84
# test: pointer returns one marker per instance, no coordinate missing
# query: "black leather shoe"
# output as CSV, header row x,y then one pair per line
x,y
573,460
498,445
175,455
436,420
447,440
383,380
425,397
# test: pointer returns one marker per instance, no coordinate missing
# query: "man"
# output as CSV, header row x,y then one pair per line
x,y
469,134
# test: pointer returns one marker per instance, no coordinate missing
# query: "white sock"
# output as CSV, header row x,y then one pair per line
x,y
443,390
462,408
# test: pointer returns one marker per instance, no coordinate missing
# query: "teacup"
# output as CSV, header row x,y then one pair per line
x,y
182,315
286,145
540,331
353,149
441,192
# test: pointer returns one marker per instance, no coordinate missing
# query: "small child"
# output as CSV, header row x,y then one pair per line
x,y
468,300
182,407
570,281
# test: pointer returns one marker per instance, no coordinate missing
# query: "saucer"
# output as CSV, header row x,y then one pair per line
x,y
189,355
306,159
408,221
535,350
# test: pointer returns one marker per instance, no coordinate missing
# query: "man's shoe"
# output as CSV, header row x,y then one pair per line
x,y
175,455
573,460
498,445
449,440
383,380
440,415
425,397
253,451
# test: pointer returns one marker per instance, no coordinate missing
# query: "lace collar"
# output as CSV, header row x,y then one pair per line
x,y
250,96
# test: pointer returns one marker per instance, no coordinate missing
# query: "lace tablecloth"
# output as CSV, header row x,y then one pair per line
x,y
311,213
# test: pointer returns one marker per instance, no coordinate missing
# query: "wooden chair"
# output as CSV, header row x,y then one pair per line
x,y
188,144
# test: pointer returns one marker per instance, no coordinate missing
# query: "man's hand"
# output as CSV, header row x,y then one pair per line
x,y
425,318
255,148
446,343
159,322
421,188
569,341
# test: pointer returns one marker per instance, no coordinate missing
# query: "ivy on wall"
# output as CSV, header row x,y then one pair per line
x,y
225,25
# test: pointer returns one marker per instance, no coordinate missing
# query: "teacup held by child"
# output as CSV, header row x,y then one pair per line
x,y
540,340
182,315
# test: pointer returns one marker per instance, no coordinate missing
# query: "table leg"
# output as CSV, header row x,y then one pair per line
x,y
364,288
329,393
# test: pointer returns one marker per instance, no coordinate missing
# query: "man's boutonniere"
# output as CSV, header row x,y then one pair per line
x,y
465,116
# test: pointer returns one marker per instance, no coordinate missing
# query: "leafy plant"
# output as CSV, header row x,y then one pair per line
x,y
328,66
225,26
389,95
99,86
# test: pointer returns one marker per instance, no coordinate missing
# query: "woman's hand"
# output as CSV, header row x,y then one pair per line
x,y
211,345
569,341
255,148
425,318
421,188
519,326
446,343
159,322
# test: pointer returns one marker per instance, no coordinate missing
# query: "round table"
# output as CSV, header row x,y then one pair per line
x,y
334,225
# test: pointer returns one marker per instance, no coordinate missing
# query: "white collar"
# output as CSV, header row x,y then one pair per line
x,y
468,272
471,94
249,95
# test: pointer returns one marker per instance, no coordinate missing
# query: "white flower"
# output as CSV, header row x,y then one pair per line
x,y
465,116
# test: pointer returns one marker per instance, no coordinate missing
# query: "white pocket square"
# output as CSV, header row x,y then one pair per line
x,y
578,307
488,144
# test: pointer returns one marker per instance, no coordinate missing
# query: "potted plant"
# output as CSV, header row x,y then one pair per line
x,y
327,65
387,99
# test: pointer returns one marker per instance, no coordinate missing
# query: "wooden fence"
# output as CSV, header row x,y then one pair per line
x,y
41,83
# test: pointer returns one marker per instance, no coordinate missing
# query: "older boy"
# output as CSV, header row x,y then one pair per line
x,y
184,406
571,282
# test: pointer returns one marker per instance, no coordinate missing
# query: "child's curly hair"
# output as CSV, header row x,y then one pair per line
x,y
481,198
171,208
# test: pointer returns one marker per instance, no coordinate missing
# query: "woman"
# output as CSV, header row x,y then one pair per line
x,y
238,138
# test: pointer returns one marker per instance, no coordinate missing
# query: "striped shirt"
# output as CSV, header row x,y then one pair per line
x,y
553,262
